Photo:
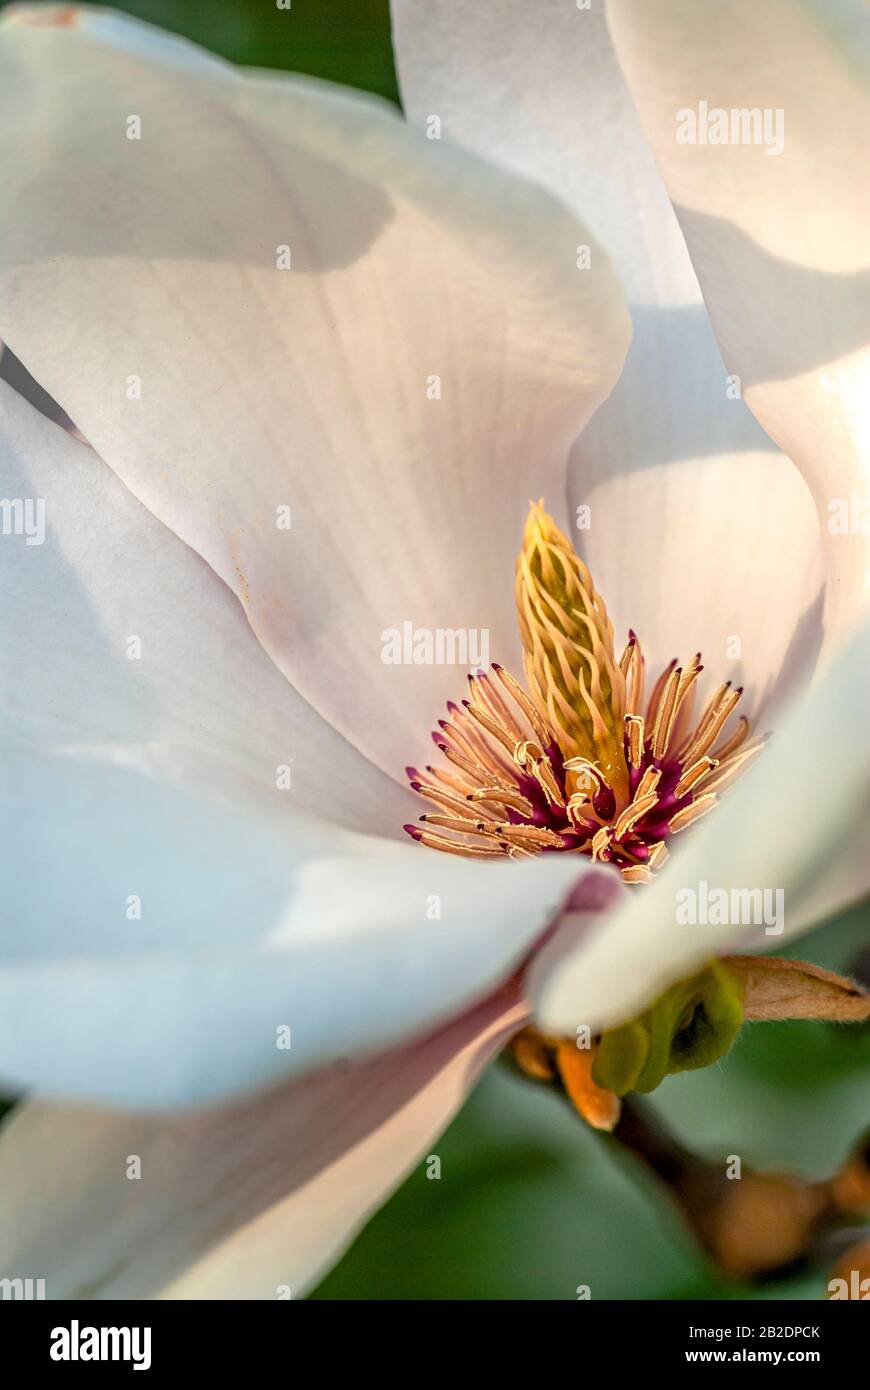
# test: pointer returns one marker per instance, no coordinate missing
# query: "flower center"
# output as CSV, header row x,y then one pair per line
x,y
580,760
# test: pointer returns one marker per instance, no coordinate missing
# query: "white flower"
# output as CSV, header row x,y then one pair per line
x,y
239,287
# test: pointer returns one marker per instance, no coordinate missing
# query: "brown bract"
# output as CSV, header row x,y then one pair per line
x,y
778,989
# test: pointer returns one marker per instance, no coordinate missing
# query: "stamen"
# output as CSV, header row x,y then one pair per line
x,y
458,805
657,855
685,703
485,688
478,747
474,770
737,762
456,784
634,727
464,827
502,797
632,814
492,725
704,721
635,680
449,846
542,732
665,714
735,741
652,708
575,763
636,873
648,782
693,774
529,757
601,842
577,809
690,814
529,835
708,736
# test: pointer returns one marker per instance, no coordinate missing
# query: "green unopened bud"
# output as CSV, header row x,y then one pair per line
x,y
692,1025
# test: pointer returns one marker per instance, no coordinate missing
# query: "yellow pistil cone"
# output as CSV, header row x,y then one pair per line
x,y
567,636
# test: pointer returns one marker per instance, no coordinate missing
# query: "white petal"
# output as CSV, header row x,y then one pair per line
x,y
234,940
777,224
720,555
538,90
679,477
157,945
796,824
309,387
124,645
242,1203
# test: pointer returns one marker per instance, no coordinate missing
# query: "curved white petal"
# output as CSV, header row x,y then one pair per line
x,y
677,473
538,90
776,221
796,824
721,555
159,948
253,1202
326,313
166,907
120,643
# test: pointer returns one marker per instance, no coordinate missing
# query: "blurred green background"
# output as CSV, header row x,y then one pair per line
x,y
530,1203
341,40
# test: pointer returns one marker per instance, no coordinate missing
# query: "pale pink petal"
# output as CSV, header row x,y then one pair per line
x,y
159,948
419,370
693,512
776,221
718,554
253,1202
129,649
167,906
